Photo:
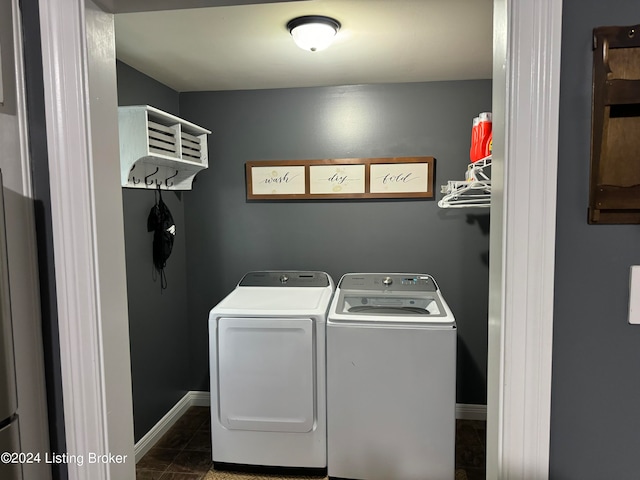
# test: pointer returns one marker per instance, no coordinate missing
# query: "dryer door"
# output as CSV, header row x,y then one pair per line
x,y
266,374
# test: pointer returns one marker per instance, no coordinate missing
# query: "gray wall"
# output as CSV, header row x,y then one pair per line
x,y
228,236
157,319
596,354
136,88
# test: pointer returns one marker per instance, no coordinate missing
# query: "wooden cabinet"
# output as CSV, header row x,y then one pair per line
x,y
615,128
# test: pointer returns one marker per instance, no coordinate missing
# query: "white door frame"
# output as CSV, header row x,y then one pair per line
x,y
526,95
78,55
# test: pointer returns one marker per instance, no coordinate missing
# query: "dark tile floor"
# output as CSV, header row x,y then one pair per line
x,y
184,452
470,448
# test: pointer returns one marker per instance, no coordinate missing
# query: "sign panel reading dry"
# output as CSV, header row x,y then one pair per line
x,y
336,179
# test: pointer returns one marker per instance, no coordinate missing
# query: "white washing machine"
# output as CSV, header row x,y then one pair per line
x,y
391,379
268,383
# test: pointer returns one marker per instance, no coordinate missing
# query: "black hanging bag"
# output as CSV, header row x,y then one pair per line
x,y
160,222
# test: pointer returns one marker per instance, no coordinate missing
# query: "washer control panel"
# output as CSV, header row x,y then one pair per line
x,y
397,282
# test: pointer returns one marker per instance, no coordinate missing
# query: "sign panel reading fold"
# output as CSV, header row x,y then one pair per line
x,y
397,177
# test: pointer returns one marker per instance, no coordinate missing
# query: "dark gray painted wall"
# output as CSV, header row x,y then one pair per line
x,y
228,236
595,422
136,88
158,325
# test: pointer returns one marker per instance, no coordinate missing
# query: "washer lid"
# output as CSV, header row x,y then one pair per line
x,y
390,298
372,304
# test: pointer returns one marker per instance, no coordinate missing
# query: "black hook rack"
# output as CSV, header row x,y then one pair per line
x,y
166,180
150,175
133,178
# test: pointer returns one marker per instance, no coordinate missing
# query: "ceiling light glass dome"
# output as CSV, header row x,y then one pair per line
x,y
313,32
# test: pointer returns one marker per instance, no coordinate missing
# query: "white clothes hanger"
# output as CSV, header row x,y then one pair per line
x,y
474,191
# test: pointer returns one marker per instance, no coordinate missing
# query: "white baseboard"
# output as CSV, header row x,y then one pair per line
x,y
202,399
199,399
466,411
191,399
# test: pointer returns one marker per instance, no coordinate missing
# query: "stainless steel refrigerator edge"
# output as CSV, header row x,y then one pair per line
x,y
10,468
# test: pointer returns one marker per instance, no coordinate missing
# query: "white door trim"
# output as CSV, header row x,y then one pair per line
x,y
522,267
77,47
73,212
527,39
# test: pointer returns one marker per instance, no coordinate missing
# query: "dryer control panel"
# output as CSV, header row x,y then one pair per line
x,y
285,279
397,282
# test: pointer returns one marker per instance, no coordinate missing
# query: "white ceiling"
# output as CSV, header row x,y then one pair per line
x,y
248,47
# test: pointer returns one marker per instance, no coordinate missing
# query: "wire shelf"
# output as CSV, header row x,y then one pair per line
x,y
474,191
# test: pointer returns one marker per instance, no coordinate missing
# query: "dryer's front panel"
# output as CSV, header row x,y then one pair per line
x,y
266,374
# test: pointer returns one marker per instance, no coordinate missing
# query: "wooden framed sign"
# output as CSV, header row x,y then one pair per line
x,y
360,178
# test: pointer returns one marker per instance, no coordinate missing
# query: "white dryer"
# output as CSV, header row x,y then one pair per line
x,y
268,383
391,379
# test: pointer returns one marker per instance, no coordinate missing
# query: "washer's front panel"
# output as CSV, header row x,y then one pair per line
x,y
391,402
266,374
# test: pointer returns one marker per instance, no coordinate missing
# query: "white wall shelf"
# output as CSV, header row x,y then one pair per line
x,y
159,150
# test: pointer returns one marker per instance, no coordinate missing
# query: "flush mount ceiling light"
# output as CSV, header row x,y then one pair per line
x,y
313,32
